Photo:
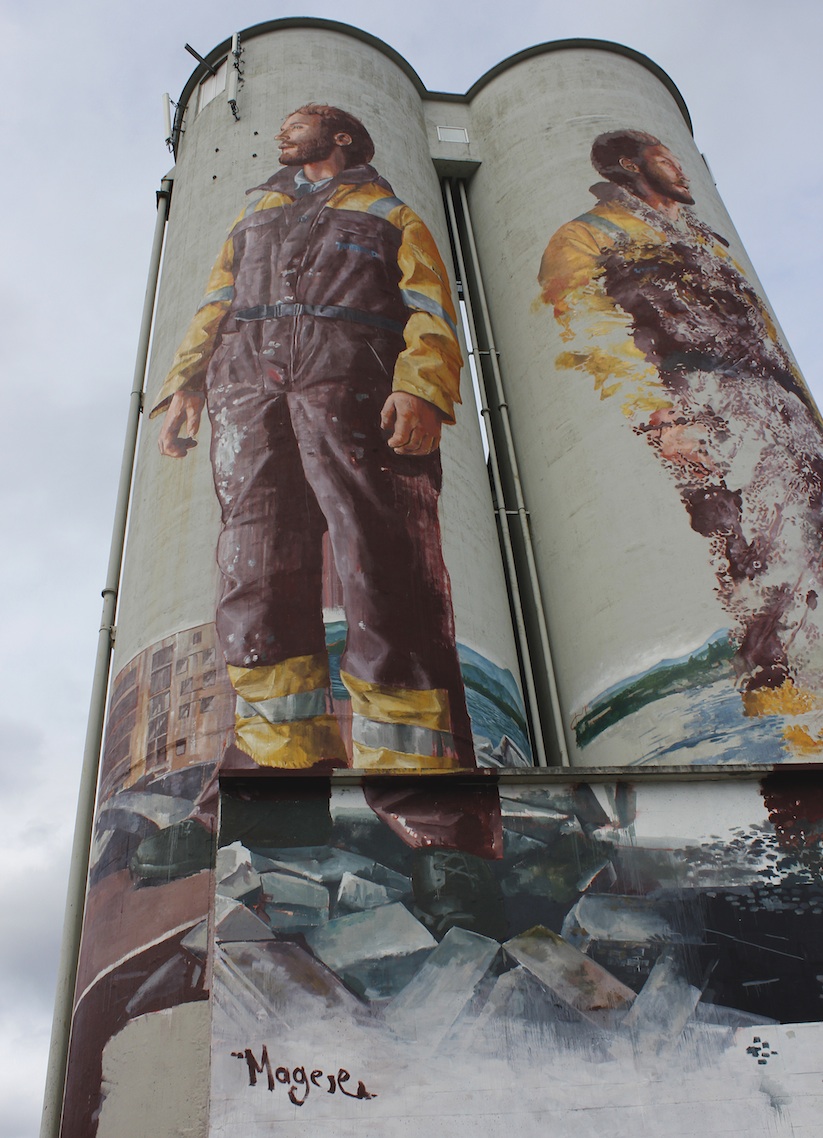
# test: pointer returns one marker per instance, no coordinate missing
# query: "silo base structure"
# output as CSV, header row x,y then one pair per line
x,y
448,784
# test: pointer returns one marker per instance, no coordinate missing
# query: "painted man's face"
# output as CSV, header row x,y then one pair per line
x,y
664,174
303,139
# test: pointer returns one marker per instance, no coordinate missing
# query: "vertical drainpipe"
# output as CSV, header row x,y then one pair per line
x,y
506,444
503,523
79,864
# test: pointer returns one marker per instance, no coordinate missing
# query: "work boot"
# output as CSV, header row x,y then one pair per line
x,y
180,850
456,889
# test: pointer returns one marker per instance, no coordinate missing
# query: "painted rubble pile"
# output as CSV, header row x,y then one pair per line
x,y
128,816
624,934
601,935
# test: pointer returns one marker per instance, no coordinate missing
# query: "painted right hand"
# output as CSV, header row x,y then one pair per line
x,y
185,408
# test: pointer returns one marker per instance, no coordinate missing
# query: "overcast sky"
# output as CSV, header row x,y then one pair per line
x,y
83,138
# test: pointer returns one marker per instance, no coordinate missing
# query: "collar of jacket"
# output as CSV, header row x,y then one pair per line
x,y
283,181
608,193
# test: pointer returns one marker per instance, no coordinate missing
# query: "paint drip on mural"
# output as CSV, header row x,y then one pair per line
x,y
654,309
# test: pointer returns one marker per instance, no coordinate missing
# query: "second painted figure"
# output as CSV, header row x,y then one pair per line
x,y
653,307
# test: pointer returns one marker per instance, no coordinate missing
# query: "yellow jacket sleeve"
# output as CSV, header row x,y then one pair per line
x,y
188,369
191,361
570,261
430,363
597,330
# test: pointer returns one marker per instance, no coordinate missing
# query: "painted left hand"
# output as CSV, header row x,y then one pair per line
x,y
414,422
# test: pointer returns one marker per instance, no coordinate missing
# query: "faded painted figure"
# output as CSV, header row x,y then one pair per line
x,y
326,353
656,311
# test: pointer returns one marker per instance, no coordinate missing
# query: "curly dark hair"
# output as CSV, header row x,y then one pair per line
x,y
609,148
336,121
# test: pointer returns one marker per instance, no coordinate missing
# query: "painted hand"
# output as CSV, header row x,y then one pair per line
x,y
185,408
680,442
414,422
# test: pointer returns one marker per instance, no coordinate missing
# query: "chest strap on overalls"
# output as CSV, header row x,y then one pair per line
x,y
325,311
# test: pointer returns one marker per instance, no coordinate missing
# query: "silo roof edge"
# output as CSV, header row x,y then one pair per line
x,y
222,50
578,44
218,53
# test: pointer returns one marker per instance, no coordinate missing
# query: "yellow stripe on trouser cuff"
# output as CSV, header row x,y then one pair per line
x,y
299,674
290,746
428,708
400,728
280,717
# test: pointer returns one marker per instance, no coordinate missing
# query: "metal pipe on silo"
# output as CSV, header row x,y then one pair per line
x,y
530,568
499,497
79,863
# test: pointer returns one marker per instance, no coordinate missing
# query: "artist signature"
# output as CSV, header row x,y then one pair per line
x,y
299,1083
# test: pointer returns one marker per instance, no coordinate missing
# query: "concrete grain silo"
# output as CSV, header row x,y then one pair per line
x,y
343,878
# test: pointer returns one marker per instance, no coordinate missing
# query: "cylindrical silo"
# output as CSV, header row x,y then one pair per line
x,y
172,575
667,442
306,585
317,868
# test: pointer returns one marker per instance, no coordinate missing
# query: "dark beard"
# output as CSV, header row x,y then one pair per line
x,y
682,196
305,152
670,191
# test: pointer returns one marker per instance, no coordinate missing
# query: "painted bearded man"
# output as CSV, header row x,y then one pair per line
x,y
326,353
655,310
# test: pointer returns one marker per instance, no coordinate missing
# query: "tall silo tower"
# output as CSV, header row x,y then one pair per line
x,y
340,869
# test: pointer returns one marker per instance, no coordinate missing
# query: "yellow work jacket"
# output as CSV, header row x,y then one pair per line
x,y
354,260
701,312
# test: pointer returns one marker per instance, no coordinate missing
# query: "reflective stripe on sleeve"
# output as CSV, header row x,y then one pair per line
x,y
610,228
383,206
219,296
421,303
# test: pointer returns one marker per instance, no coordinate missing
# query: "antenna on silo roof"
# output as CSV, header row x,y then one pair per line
x,y
167,105
199,57
235,77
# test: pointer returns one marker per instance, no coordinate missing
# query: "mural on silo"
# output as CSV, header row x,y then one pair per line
x,y
653,309
327,355
648,962
651,958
